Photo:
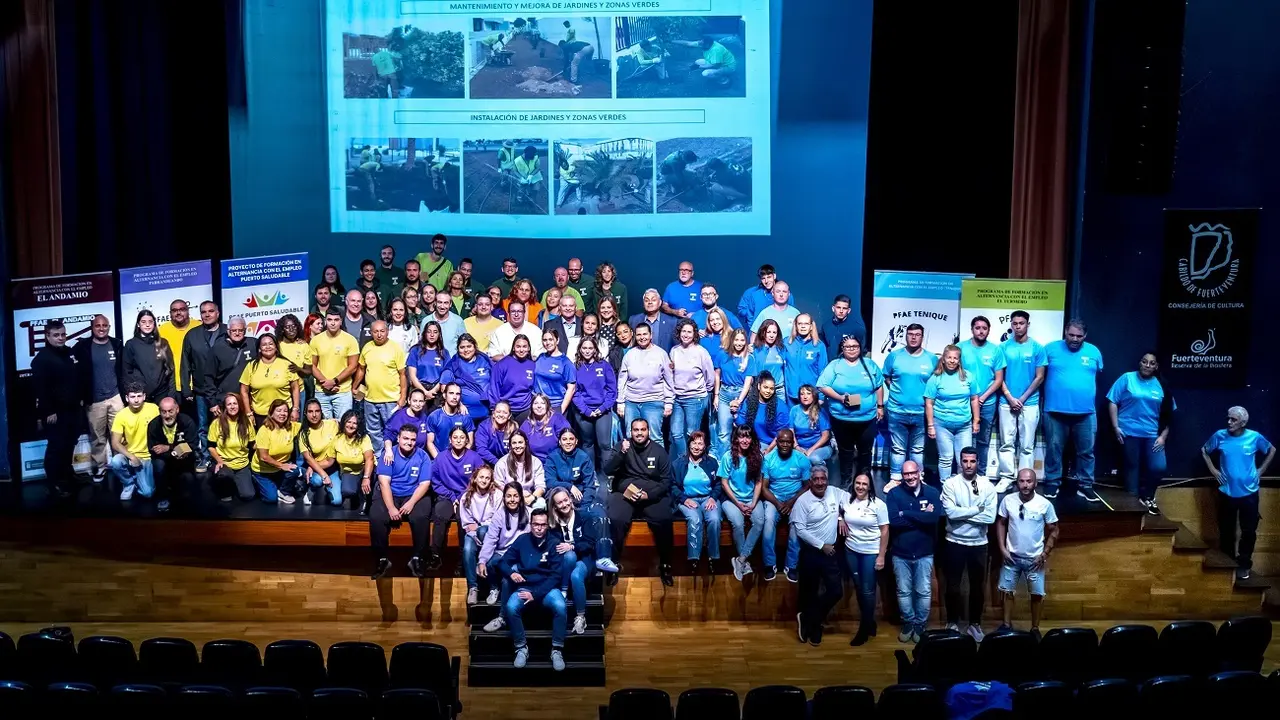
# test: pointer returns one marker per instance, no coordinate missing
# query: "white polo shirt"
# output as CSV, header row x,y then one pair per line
x,y
1027,521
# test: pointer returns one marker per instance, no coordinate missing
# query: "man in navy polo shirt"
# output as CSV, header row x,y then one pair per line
x,y
401,497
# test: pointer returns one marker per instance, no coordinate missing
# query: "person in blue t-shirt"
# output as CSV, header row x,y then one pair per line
x,y
401,497
683,297
1070,399
1238,473
786,475
1025,363
984,363
906,372
950,410
854,388
1141,408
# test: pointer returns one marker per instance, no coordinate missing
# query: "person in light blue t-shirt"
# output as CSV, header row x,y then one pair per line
x,y
984,362
1070,397
854,388
906,372
1025,362
1238,473
950,410
786,475
1141,408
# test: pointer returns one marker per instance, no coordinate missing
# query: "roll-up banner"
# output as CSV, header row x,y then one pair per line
x,y
155,287
904,298
264,289
1044,300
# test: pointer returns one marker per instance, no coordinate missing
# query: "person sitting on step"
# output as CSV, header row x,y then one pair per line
x,y
579,535
536,571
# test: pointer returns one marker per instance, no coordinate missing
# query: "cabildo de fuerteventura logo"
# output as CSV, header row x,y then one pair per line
x,y
1210,267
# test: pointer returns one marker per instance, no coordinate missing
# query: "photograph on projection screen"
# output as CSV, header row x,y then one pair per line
x,y
604,177
424,60
685,56
403,175
521,58
704,175
505,177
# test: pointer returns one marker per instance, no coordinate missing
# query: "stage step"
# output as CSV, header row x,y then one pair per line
x,y
586,647
499,672
481,613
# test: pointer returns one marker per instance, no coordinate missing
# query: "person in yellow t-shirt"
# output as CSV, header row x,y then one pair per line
x,y
273,458
132,461
382,371
229,437
317,437
334,353
294,348
175,331
354,452
267,378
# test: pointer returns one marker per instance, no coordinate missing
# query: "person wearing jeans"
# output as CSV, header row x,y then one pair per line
x,y
950,410
735,371
854,388
914,510
739,473
334,357
693,382
969,501
1025,363
906,372
1141,409
983,362
645,384
812,426
1238,476
593,401
1070,397
536,572
132,461
476,509
697,495
582,536
786,475
381,371
1027,532
865,544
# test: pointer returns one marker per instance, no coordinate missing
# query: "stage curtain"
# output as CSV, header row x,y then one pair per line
x,y
1039,220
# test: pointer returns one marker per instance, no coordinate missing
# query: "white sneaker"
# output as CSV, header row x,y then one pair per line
x,y
1004,485
975,631
606,565
746,568
952,626
492,599
99,475
127,492
284,499
579,625
473,594
306,498
495,624
737,567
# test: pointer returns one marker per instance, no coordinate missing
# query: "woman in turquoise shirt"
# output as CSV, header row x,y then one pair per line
x,y
950,410
770,351
805,358
739,474
1141,409
735,370
855,387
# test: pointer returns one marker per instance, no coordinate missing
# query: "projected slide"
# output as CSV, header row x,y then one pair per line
x,y
523,119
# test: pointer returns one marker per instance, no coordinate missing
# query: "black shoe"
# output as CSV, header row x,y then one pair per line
x,y
415,567
800,631
815,636
1050,493
664,572
611,579
1088,494
693,568
433,561
863,635
711,567
1243,573
381,569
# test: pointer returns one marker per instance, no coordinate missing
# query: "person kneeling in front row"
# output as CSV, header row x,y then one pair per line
x,y
401,497
536,571
579,534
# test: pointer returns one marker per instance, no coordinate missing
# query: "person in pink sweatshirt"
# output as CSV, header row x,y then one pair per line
x,y
477,507
505,526
645,384
693,381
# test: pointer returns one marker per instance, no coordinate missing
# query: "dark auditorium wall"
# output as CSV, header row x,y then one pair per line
x,y
1227,157
280,191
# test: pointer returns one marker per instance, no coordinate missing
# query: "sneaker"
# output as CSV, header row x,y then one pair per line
x,y
127,492
579,625
415,567
952,626
202,466
381,568
915,636
522,655
492,598
1243,573
606,565
1004,485
975,632
693,568
792,575
99,475
737,568
284,499
904,635
1089,494
1152,507
497,624
804,637
1050,493
815,637
306,498
226,499
557,660
770,573
1004,628
473,595
162,506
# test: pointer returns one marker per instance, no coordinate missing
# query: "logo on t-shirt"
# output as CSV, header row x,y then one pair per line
x,y
111,355
650,463
555,368
437,362
413,471
466,468
577,472
528,374
480,372
247,354
808,354
599,372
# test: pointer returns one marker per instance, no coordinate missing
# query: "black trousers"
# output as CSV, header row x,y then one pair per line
x,y
1245,510
61,445
442,513
657,513
854,442
819,570
380,524
171,473
956,561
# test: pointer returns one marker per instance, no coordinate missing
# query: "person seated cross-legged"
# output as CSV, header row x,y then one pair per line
x,y
536,572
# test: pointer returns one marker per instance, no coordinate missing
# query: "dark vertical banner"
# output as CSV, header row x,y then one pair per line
x,y
1207,295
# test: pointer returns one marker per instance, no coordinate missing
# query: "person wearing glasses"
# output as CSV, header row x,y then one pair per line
x,y
535,570
969,502
1238,474
914,509
1027,532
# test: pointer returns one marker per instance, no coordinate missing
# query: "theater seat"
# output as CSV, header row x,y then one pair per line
x,y
1236,688
1168,695
107,661
843,702
7,652
63,698
1069,654
234,664
412,703
169,661
639,704
1188,647
298,664
1106,699
360,665
17,699
136,701
430,667
1129,652
940,659
708,704
910,700
1044,700
1009,656
270,703
43,659
1241,643
339,704
203,702
771,702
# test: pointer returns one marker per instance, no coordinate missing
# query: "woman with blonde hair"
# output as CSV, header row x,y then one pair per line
x,y
951,410
715,334
805,356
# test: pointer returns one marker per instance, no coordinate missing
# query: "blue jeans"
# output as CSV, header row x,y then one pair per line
x,y
1144,467
724,421
702,526
334,490
202,425
982,441
1082,428
820,456
333,405
744,543
553,601
141,477
686,417
952,438
906,435
269,484
652,413
376,417
575,578
915,590
770,538
471,552
862,569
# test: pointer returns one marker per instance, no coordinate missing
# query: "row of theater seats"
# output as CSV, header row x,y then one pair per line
x,y
1175,696
164,673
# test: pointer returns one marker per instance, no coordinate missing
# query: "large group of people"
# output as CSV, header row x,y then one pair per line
x,y
545,424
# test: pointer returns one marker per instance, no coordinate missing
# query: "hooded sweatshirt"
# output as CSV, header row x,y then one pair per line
x,y
597,388
227,363
571,470
148,362
479,510
535,480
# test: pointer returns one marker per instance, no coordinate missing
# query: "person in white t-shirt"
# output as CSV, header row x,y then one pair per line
x,y
815,521
1027,532
865,546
